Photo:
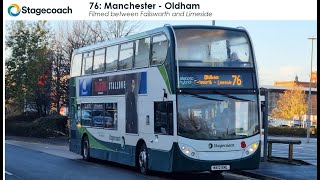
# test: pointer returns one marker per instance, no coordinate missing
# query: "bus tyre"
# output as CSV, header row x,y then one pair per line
x,y
86,149
143,159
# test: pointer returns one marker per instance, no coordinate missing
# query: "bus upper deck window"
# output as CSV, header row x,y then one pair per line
x,y
159,49
112,58
76,65
142,52
87,63
126,54
98,61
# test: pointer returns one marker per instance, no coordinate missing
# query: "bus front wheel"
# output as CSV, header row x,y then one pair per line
x,y
143,159
86,149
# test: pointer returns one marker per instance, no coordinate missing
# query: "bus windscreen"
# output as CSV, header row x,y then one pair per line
x,y
213,48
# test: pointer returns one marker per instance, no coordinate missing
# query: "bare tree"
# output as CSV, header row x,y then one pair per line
x,y
71,35
117,29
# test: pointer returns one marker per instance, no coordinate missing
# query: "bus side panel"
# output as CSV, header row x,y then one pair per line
x,y
111,151
160,160
74,135
75,141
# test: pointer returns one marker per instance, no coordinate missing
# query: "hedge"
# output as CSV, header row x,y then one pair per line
x,y
291,131
49,126
25,117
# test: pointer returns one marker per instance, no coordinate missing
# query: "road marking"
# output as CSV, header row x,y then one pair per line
x,y
8,173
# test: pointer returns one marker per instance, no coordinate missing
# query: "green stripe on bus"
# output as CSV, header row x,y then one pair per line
x,y
94,143
165,77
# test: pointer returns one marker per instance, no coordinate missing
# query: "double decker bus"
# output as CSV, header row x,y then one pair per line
x,y
172,99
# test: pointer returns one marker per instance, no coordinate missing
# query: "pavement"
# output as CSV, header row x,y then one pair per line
x,y
267,170
306,152
273,170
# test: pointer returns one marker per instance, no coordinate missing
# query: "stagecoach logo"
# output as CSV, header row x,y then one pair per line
x,y
186,80
222,145
114,138
14,10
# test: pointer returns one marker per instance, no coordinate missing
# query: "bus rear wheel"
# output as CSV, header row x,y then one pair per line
x,y
143,159
86,149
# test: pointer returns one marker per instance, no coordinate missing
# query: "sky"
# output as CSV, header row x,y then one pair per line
x,y
282,48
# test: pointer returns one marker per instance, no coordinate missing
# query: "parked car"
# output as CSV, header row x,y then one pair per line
x,y
284,125
297,125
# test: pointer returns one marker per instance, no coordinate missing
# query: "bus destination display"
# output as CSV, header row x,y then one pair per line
x,y
241,80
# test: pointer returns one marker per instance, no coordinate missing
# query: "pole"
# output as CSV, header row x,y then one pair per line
x,y
309,97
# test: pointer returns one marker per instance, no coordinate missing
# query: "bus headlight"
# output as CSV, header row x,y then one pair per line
x,y
250,149
188,151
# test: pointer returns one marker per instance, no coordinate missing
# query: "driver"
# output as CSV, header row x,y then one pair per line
x,y
234,57
233,61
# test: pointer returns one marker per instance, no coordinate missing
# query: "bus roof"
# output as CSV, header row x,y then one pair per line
x,y
165,28
120,40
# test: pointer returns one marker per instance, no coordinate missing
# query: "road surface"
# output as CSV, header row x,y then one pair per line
x,y
30,160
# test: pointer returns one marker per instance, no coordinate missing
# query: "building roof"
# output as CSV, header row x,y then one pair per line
x,y
285,88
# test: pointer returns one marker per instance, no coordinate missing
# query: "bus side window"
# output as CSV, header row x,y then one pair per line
x,y
86,114
78,114
98,61
110,116
76,65
87,63
112,58
126,56
142,53
163,118
159,49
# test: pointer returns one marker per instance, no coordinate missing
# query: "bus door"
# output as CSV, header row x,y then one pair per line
x,y
163,123
162,142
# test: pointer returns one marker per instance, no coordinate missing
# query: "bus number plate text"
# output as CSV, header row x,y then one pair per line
x,y
220,167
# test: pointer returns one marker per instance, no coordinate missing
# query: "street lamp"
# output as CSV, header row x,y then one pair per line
x,y
309,97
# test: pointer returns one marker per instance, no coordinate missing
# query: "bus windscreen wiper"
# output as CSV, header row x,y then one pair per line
x,y
199,96
232,97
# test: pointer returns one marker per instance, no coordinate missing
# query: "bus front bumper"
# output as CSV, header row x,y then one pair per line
x,y
178,162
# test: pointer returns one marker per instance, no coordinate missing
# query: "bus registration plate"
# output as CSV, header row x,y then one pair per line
x,y
220,167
